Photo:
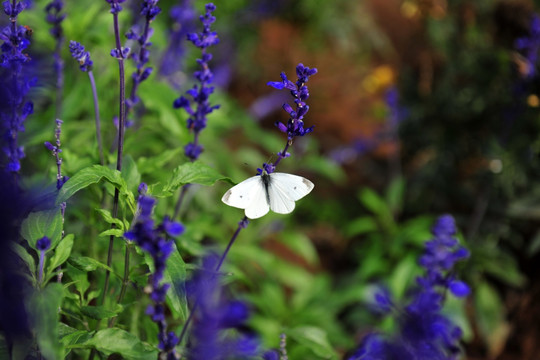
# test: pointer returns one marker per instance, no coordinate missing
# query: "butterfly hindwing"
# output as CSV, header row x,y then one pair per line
x,y
295,186
259,205
280,200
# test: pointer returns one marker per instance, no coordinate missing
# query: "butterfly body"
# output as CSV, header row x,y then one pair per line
x,y
262,193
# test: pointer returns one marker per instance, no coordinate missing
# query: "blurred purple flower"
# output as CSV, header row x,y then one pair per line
x,y
153,240
183,18
14,85
530,45
214,315
424,332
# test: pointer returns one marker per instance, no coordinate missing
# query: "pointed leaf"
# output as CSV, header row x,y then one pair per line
x,y
61,253
92,175
42,223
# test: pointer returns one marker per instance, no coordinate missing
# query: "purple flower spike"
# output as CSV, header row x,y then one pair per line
x,y
82,56
149,10
14,85
153,240
300,93
424,332
200,92
214,316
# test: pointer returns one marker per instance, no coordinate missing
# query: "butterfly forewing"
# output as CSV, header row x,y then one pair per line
x,y
243,194
295,186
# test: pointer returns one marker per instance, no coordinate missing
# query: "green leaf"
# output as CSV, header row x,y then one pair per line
x,y
395,193
86,264
44,307
175,274
490,313
42,223
149,165
361,225
315,339
99,312
61,253
107,216
117,341
114,232
188,173
301,245
402,275
374,203
92,175
130,172
25,256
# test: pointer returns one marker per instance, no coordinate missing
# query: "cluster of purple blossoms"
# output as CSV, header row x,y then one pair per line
x,y
81,55
149,10
14,84
115,5
530,45
300,93
295,124
214,316
183,17
54,17
201,91
424,332
153,240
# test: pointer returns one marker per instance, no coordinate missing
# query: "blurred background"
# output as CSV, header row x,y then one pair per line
x,y
420,107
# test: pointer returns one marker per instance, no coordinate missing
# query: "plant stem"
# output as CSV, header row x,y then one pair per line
x,y
180,200
121,123
96,115
241,225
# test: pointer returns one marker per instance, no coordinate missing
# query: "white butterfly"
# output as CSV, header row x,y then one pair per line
x,y
261,193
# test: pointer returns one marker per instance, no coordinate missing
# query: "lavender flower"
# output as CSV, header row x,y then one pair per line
x,y
295,124
200,92
81,55
115,5
424,332
149,10
14,85
530,45
153,240
300,93
214,315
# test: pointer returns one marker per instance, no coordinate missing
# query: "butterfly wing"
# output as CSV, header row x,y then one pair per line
x,y
296,187
242,194
250,195
281,201
259,206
